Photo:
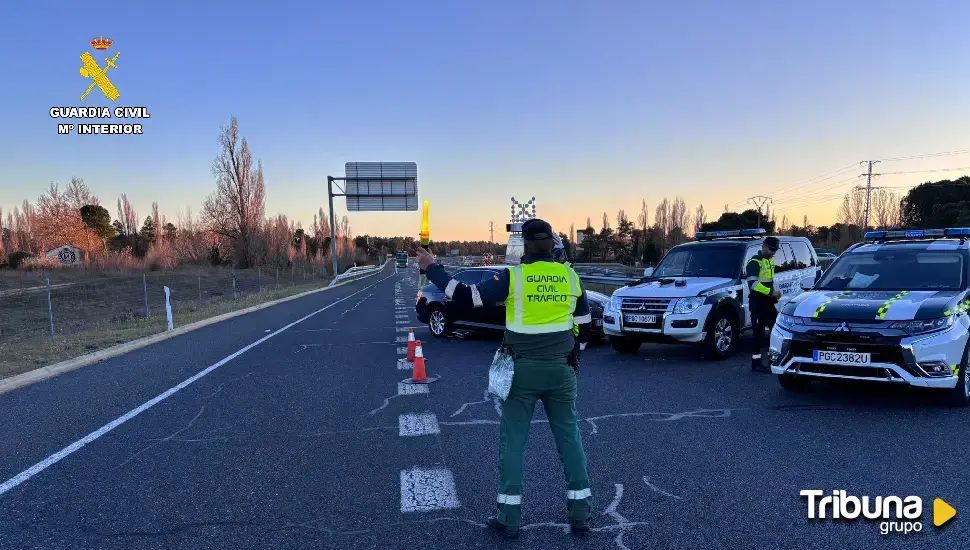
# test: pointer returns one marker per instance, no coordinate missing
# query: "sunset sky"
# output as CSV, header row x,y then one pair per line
x,y
588,106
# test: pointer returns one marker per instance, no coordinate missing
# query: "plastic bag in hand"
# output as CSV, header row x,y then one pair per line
x,y
500,374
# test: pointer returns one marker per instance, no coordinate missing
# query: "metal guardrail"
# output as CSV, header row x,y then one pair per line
x,y
357,272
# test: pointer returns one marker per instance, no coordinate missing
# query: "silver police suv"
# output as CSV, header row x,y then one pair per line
x,y
698,293
893,309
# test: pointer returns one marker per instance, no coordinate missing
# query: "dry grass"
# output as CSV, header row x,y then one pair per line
x,y
90,315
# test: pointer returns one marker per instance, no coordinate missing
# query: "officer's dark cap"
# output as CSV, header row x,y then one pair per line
x,y
772,243
536,230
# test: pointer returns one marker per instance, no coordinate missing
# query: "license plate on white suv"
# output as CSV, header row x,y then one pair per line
x,y
842,357
645,319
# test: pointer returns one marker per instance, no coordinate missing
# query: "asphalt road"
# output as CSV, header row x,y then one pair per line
x,y
307,440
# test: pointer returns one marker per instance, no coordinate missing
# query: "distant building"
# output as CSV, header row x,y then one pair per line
x,y
67,254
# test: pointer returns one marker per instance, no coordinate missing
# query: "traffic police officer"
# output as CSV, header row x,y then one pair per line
x,y
543,299
760,273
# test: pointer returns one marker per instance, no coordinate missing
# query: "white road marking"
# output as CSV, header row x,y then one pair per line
x,y
402,316
402,350
404,364
659,490
401,339
411,389
414,424
77,445
403,329
425,490
402,389
403,322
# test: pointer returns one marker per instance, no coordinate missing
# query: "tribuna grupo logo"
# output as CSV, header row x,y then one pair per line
x,y
896,514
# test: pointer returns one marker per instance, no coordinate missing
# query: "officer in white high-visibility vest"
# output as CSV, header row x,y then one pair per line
x,y
544,300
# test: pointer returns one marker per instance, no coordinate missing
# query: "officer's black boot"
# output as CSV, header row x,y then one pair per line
x,y
757,365
579,527
501,529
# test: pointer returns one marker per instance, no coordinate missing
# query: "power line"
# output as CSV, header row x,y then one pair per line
x,y
928,155
924,171
817,179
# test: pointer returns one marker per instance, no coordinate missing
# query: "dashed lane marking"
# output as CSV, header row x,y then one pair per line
x,y
414,424
411,389
77,445
402,350
401,339
424,490
403,363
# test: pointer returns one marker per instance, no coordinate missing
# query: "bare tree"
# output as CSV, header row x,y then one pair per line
x,y
726,209
157,223
805,221
885,208
783,230
679,217
643,219
235,211
126,216
2,247
589,222
77,194
606,221
853,209
700,218
663,223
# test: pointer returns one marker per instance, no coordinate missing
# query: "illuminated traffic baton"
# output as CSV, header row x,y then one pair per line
x,y
425,231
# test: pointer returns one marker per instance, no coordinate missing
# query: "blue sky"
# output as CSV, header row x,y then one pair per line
x,y
589,107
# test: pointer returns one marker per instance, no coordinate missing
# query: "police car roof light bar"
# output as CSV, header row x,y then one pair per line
x,y
961,232
708,235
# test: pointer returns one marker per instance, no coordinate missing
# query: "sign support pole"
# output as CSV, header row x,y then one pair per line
x,y
333,227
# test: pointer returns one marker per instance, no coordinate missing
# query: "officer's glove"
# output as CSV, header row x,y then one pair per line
x,y
573,359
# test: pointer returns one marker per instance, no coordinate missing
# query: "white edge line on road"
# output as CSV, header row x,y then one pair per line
x,y
66,451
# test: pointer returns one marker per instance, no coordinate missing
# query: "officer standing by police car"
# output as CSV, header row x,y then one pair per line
x,y
760,272
543,300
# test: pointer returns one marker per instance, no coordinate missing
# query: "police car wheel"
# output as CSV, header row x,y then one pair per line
x,y
959,395
438,322
721,335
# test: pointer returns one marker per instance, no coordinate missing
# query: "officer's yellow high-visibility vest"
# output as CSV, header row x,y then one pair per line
x,y
542,298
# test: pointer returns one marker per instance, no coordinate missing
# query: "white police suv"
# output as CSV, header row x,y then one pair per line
x,y
697,294
894,309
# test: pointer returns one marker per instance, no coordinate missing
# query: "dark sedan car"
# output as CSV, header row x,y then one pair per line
x,y
442,317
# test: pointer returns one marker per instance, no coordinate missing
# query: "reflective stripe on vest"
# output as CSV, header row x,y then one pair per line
x,y
542,298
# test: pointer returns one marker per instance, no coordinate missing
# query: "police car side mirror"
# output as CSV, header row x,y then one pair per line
x,y
648,272
808,283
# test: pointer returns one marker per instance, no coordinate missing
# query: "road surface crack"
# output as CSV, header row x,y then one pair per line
x,y
158,442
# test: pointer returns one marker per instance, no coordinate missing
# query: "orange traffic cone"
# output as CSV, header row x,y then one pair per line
x,y
411,344
418,374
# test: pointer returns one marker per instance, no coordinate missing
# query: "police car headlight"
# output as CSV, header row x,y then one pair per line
x,y
924,326
787,322
615,303
687,305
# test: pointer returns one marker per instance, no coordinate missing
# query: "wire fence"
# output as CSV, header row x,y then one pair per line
x,y
49,311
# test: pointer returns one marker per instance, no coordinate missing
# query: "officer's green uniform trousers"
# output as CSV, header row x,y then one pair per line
x,y
541,373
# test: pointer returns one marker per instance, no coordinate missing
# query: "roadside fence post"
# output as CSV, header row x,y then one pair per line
x,y
168,308
259,280
144,281
234,284
277,277
50,308
200,288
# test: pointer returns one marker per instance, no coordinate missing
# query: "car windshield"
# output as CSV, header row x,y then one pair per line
x,y
700,261
897,269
